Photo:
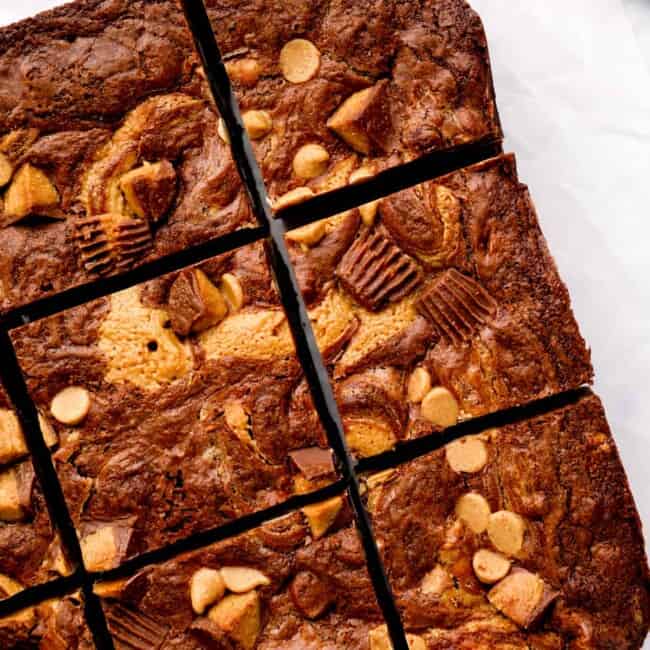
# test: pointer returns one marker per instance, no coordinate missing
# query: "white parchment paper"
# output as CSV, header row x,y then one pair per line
x,y
573,86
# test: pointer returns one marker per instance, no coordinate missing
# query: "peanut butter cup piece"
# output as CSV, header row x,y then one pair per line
x,y
150,189
12,439
111,242
363,119
522,596
322,515
232,291
375,271
195,304
241,579
293,197
30,192
240,617
456,305
313,462
310,234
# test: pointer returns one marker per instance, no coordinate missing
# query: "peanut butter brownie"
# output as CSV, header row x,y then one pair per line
x,y
335,90
179,405
30,553
296,583
52,625
521,537
448,303
109,153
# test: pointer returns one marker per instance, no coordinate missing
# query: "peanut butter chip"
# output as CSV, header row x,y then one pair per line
x,y
419,384
257,123
244,71
49,434
232,291
207,586
490,567
299,60
240,617
310,234
506,531
242,579
310,161
361,174
474,510
467,455
293,197
437,581
440,407
71,405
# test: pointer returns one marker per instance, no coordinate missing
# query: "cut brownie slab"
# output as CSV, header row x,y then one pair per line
x,y
295,583
449,304
56,624
333,91
109,153
179,404
30,553
521,537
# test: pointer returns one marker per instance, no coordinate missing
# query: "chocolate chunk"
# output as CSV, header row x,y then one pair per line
x,y
310,594
111,242
150,189
457,305
313,462
375,271
133,630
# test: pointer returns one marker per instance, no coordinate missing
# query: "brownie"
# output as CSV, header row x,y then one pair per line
x,y
520,537
57,624
330,89
30,552
109,153
448,303
179,404
296,583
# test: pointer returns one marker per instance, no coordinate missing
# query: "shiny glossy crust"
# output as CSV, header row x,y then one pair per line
x,y
319,593
485,312
27,545
427,63
184,433
56,624
106,87
559,472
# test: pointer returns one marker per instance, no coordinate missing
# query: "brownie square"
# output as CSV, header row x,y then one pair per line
x,y
294,583
180,405
333,91
448,303
109,152
30,552
57,623
520,537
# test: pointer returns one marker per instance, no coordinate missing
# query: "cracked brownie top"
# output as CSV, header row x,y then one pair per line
x,y
335,90
521,537
109,151
179,404
448,303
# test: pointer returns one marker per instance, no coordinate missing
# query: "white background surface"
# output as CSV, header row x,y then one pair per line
x,y
573,84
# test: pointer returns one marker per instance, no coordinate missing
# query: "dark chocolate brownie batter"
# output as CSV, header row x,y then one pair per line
x,y
30,554
53,625
521,537
449,304
330,88
278,587
179,404
109,153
